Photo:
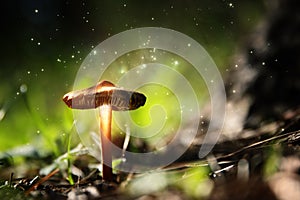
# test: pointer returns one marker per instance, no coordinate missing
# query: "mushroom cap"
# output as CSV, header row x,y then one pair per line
x,y
104,93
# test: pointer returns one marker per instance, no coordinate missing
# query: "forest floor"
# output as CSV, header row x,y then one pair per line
x,y
265,165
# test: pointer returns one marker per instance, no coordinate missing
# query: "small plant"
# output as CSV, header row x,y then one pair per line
x,y
107,97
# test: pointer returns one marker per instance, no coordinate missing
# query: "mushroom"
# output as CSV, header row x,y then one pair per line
x,y
107,97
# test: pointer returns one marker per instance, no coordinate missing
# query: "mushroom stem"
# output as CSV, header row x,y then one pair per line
x,y
105,113
107,97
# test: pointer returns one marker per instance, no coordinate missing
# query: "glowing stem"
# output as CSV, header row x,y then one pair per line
x,y
105,112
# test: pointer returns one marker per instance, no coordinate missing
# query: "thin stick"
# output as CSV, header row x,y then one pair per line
x,y
105,135
41,181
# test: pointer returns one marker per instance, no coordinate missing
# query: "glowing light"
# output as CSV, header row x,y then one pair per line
x,y
94,52
23,88
105,113
153,57
36,10
124,69
176,62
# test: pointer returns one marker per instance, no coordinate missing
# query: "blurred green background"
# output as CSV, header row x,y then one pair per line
x,y
44,42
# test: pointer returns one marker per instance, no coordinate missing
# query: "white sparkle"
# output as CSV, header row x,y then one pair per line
x,y
153,57
94,52
176,62
188,44
23,88
36,10
58,60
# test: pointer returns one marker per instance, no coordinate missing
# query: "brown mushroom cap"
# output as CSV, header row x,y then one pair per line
x,y
104,93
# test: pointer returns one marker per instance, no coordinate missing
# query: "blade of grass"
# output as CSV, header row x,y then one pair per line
x,y
69,157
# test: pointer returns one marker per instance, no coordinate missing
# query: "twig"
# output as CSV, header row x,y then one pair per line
x,y
34,187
